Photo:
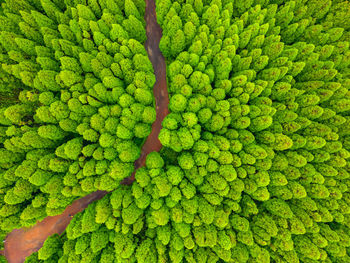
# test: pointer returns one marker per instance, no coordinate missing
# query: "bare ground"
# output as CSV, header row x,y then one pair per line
x,y
160,91
21,243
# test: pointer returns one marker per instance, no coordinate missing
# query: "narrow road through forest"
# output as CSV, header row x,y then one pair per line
x,y
21,243
160,91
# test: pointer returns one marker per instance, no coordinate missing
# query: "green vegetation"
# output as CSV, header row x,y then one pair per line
x,y
259,125
255,165
84,107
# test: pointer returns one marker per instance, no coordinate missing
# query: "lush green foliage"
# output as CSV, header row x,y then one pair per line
x,y
255,164
85,102
260,107
259,125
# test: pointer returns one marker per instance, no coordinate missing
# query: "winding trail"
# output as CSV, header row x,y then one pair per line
x,y
160,91
21,243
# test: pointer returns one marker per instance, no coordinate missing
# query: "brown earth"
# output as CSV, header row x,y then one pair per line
x,y
160,91
21,243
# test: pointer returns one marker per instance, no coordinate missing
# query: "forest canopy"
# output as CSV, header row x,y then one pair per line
x,y
84,104
255,159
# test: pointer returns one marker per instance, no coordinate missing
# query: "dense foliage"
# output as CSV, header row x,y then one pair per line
x,y
85,102
255,164
260,107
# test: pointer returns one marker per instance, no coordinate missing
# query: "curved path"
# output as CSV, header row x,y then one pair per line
x,y
21,243
160,91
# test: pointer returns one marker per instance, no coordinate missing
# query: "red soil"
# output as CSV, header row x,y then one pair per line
x,y
160,91
21,243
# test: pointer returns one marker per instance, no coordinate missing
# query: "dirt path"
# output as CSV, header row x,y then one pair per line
x,y
21,243
160,91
